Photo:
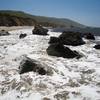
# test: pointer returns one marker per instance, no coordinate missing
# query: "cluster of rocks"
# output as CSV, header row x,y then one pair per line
x,y
38,30
57,45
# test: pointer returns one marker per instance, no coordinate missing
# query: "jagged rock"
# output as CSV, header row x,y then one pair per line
x,y
22,36
71,38
39,30
97,46
28,64
59,50
89,36
54,40
4,33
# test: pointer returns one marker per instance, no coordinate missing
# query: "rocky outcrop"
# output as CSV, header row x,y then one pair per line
x,y
71,38
4,33
60,50
22,36
89,36
39,30
28,64
97,46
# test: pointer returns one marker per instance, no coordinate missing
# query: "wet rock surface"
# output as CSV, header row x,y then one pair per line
x,y
39,30
71,38
60,50
28,64
68,38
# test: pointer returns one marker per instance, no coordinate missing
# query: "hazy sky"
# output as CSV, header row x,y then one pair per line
x,y
84,11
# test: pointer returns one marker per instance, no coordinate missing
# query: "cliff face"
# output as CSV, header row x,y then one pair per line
x,y
7,20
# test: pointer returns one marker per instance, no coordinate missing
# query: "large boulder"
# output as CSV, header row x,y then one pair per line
x,y
97,46
71,38
89,36
39,30
28,64
22,35
60,50
4,33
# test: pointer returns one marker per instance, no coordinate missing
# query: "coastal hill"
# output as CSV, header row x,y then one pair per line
x,y
19,18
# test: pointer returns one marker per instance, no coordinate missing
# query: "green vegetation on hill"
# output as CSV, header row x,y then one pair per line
x,y
19,18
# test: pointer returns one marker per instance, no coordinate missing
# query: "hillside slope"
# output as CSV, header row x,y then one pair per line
x,y
18,18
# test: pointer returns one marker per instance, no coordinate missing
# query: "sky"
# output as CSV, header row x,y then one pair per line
x,y
86,12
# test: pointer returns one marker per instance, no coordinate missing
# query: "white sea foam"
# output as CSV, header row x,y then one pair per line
x,y
79,78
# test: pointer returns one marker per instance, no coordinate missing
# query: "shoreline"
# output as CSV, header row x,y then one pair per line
x,y
13,27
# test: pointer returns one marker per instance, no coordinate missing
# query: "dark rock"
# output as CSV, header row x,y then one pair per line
x,y
39,30
22,36
59,50
4,33
54,40
97,46
28,64
89,36
71,38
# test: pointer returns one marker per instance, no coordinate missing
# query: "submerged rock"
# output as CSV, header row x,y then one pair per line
x,y
71,38
39,30
97,46
28,64
4,33
60,50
